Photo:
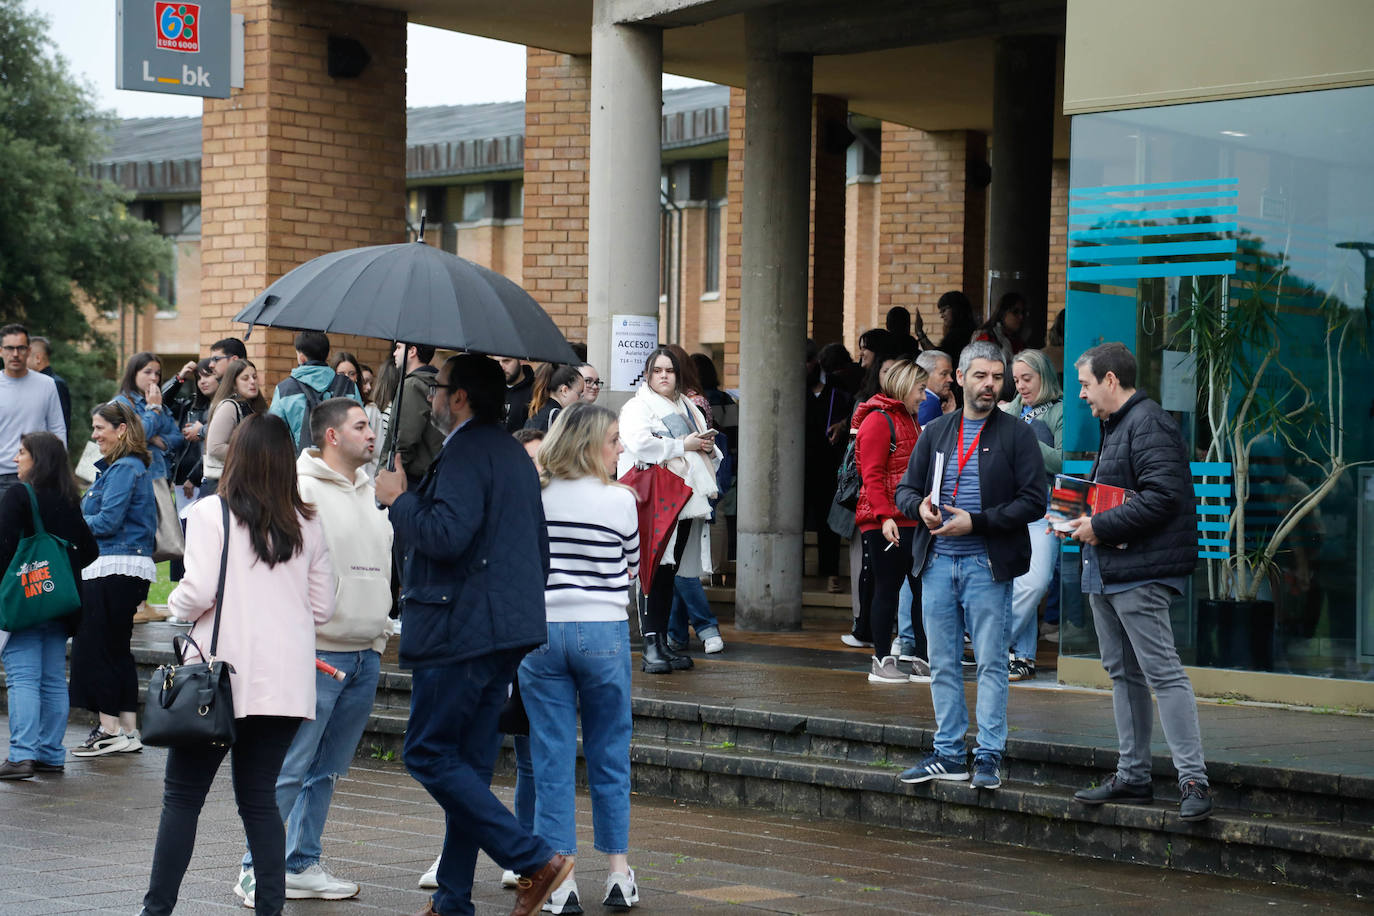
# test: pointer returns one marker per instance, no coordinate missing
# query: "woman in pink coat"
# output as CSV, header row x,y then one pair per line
x,y
278,585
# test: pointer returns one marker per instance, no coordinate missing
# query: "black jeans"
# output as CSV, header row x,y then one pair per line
x,y
886,569
256,758
660,598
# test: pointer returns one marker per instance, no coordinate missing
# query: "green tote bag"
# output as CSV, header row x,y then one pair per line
x,y
38,584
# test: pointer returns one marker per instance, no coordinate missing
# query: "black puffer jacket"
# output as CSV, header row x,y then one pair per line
x,y
1143,450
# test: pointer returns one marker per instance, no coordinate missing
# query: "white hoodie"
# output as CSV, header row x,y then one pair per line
x,y
359,539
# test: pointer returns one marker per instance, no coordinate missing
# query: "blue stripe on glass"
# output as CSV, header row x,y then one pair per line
x,y
1127,232
1212,490
1104,190
1212,554
1213,526
1213,510
1096,219
1077,467
1100,253
1103,205
1210,468
1127,271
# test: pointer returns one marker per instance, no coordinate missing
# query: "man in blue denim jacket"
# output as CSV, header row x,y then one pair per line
x,y
476,557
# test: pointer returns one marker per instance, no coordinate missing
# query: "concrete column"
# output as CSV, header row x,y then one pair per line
x,y
622,220
1022,157
776,205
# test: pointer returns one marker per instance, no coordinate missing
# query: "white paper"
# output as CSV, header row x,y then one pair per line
x,y
633,338
1178,381
937,481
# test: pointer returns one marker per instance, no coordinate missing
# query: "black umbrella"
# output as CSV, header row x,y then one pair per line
x,y
415,293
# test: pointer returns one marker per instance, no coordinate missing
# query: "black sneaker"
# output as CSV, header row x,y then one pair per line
x,y
936,767
1020,669
986,773
1196,803
1114,790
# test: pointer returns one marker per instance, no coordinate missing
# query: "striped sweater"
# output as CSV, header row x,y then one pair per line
x,y
593,550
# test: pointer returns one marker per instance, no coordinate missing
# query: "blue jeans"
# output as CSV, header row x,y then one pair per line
x,y
958,594
906,631
1028,589
586,664
524,783
36,675
689,602
321,752
450,749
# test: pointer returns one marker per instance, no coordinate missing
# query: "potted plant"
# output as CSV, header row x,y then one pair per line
x,y
1256,409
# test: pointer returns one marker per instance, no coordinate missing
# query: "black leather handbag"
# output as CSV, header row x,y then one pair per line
x,y
190,704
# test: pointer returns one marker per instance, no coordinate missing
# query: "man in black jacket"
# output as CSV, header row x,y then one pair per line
x,y
991,485
519,389
1136,558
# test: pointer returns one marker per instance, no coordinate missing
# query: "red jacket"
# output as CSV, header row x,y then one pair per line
x,y
882,468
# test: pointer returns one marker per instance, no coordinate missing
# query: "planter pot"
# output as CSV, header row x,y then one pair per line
x,y
1235,634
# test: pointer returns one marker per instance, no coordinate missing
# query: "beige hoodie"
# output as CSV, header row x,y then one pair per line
x,y
359,539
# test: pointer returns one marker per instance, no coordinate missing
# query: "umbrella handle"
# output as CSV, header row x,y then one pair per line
x,y
391,430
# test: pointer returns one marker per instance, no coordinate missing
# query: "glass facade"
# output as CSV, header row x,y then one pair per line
x,y
1231,246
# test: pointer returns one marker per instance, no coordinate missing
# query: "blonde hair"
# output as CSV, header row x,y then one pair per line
x,y
899,378
572,448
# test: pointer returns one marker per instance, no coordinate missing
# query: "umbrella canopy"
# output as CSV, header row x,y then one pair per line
x,y
659,497
415,293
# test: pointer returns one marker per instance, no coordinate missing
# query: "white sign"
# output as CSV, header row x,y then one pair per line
x,y
1178,381
633,338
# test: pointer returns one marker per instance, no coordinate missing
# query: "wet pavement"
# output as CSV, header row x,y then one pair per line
x,y
82,842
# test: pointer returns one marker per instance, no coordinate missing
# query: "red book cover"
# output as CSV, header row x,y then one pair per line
x,y
1073,497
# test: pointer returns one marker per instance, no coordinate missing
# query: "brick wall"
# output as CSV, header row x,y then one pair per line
x,y
297,163
734,233
932,227
1059,238
557,151
826,299
861,259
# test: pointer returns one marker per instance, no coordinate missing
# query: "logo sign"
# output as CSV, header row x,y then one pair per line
x,y
175,47
178,27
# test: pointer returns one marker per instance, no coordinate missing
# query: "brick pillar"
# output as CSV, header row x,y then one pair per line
x,y
829,139
861,259
734,234
1059,237
932,229
557,152
298,163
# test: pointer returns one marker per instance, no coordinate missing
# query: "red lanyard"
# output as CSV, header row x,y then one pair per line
x,y
964,456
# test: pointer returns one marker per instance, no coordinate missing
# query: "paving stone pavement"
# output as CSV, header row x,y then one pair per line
x,y
82,842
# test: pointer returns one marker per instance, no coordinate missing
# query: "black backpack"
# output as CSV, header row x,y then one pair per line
x,y
850,479
341,387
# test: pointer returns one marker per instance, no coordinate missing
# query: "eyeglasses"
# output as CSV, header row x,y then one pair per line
x,y
215,359
431,390
23,349
591,382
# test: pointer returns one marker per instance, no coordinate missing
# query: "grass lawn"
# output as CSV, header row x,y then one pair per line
x,y
159,590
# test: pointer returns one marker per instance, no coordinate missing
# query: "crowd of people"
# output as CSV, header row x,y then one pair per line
x,y
502,537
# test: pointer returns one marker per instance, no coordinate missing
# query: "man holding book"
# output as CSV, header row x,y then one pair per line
x,y
976,480
1150,543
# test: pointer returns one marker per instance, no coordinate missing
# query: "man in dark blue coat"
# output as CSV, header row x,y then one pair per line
x,y
476,556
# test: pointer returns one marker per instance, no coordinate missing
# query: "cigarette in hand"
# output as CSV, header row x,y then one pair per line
x,y
890,545
326,668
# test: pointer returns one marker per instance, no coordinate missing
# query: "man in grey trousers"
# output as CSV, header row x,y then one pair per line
x,y
1136,557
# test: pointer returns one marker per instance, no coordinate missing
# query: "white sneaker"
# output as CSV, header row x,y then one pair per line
x,y
621,891
430,879
509,879
317,884
885,671
100,742
135,743
564,899
849,639
714,644
246,887
896,650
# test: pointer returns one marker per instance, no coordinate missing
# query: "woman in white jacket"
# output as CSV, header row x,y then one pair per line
x,y
660,426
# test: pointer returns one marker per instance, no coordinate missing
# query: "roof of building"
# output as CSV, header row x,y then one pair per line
x,y
153,156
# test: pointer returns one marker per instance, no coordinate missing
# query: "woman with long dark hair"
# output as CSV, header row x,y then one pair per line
x,y
957,325
1006,329
36,658
141,389
583,670
885,435
237,397
556,387
278,585
121,512
661,426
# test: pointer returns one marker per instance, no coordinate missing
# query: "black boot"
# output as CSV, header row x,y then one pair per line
x,y
655,660
679,661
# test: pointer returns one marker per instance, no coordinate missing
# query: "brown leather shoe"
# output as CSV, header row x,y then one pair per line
x,y
429,909
536,888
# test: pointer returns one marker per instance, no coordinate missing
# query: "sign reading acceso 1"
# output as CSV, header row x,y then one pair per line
x,y
180,48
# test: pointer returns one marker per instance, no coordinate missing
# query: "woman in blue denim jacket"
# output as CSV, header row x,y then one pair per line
x,y
120,510
141,389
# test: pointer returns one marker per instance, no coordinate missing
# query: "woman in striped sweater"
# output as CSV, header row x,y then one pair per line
x,y
594,556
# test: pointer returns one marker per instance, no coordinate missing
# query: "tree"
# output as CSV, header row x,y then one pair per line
x,y
65,236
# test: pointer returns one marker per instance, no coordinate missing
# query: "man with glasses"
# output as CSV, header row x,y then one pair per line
x,y
591,382
28,402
